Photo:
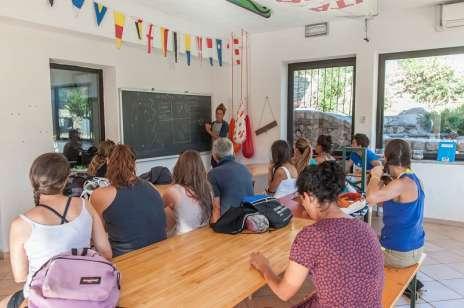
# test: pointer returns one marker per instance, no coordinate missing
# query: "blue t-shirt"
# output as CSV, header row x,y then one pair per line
x,y
404,222
356,159
231,182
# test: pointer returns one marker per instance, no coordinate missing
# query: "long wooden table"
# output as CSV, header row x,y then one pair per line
x,y
201,268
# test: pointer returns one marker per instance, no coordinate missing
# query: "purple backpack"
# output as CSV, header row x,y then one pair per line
x,y
81,278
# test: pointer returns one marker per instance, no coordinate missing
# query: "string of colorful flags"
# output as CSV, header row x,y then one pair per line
x,y
205,46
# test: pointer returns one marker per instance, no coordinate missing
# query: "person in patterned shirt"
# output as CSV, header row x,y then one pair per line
x,y
342,255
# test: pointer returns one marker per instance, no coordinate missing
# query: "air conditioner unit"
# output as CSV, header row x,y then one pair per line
x,y
452,15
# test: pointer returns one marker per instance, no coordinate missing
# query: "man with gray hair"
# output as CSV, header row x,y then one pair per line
x,y
231,181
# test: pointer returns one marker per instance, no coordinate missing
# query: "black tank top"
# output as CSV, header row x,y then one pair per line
x,y
135,218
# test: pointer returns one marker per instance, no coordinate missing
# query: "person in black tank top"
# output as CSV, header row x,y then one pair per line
x,y
135,218
132,208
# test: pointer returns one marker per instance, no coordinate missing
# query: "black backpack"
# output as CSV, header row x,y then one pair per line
x,y
278,215
233,220
158,176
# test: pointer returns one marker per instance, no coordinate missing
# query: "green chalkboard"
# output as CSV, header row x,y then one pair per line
x,y
162,124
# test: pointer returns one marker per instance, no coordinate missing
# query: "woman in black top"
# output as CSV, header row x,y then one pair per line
x,y
132,209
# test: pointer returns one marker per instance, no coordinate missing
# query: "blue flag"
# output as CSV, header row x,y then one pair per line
x,y
78,3
219,51
100,12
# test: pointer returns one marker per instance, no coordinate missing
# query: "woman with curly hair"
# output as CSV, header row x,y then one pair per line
x,y
98,165
345,273
132,208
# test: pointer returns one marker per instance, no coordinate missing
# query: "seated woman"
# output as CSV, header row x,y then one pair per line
x,y
188,203
302,154
403,206
342,254
55,225
98,165
362,141
282,174
323,150
132,209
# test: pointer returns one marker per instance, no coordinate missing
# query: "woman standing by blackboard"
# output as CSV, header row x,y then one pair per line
x,y
218,128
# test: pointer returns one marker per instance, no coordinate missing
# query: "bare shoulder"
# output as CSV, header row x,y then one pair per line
x,y
103,196
20,228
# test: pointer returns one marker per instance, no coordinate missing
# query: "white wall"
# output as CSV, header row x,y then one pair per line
x,y
443,189
408,29
412,29
26,119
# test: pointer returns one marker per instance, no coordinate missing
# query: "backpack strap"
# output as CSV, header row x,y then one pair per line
x,y
63,217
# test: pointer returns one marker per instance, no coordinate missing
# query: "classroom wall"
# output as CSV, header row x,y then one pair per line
x,y
26,119
408,29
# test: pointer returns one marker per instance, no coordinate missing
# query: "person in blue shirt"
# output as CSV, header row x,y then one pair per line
x,y
402,199
362,141
231,181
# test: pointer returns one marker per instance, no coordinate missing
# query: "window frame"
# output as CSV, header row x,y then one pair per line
x,y
330,63
84,69
383,58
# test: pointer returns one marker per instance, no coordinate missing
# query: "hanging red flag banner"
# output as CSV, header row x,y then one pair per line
x,y
164,40
150,39
119,22
200,48
209,47
188,47
236,50
139,28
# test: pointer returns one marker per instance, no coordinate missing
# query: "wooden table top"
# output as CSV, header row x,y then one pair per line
x,y
201,268
258,169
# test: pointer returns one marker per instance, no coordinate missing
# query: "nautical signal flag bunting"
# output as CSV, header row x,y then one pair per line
x,y
188,47
100,12
78,3
119,22
157,36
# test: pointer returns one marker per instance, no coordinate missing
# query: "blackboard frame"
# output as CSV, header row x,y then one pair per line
x,y
153,90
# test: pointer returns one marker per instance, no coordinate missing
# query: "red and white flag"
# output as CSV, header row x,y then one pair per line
x,y
237,50
199,43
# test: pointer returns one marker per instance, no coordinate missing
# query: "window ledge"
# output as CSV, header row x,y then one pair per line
x,y
436,162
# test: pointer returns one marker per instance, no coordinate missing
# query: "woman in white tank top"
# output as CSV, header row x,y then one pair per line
x,y
55,225
188,203
282,174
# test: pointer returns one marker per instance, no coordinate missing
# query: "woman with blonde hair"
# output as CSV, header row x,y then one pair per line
x,y
98,165
303,153
188,203
132,208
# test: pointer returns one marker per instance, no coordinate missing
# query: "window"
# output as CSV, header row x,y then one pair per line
x,y
77,105
421,99
321,100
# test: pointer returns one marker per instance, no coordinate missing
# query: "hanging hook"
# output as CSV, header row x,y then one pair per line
x,y
366,25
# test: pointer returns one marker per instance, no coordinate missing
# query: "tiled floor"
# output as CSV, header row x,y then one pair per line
x,y
442,274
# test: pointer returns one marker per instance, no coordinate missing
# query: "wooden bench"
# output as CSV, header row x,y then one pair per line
x,y
397,280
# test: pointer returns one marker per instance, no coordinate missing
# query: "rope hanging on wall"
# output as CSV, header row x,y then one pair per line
x,y
270,125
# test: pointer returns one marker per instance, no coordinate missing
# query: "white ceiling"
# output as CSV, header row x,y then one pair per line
x,y
226,17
